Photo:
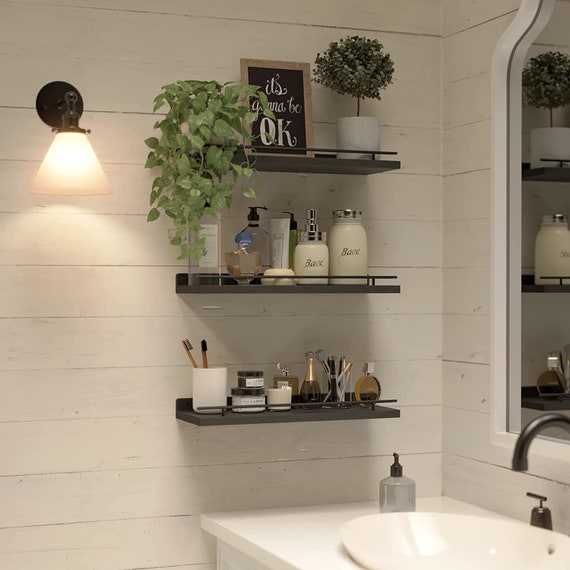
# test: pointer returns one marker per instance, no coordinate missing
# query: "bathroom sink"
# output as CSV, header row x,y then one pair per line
x,y
430,541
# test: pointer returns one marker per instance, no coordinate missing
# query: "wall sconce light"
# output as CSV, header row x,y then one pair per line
x,y
70,166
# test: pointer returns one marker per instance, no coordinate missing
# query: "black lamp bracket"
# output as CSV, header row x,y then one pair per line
x,y
59,105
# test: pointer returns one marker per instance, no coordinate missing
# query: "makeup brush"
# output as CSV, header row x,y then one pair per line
x,y
188,347
204,353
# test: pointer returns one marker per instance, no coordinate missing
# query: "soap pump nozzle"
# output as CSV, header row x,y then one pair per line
x,y
292,220
284,369
253,214
396,469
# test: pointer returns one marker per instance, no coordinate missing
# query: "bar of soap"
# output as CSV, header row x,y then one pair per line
x,y
278,276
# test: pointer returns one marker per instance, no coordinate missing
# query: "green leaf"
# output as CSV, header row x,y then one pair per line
x,y
153,161
222,129
154,214
151,142
249,192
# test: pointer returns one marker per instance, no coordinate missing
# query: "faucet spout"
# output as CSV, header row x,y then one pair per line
x,y
520,455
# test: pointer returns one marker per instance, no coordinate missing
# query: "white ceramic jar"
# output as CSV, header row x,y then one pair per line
x,y
552,250
348,247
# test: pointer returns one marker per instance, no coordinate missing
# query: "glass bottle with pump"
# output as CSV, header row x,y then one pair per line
x,y
311,257
286,379
260,236
310,389
397,492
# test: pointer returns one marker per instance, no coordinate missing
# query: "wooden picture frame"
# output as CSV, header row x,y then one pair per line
x,y
288,88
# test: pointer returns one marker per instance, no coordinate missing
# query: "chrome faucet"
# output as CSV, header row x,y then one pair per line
x,y
520,455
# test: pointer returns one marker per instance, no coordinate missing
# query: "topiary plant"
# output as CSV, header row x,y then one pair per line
x,y
355,66
546,81
204,130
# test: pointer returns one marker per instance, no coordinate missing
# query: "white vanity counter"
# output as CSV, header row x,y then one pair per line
x,y
300,538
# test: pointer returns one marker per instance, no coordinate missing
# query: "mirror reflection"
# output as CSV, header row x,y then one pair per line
x,y
545,237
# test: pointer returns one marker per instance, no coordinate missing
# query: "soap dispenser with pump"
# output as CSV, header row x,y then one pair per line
x,y
397,492
292,238
259,235
311,258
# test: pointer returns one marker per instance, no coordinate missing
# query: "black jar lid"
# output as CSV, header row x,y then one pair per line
x,y
251,373
248,391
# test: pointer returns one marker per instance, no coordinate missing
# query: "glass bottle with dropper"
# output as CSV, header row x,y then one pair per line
x,y
310,390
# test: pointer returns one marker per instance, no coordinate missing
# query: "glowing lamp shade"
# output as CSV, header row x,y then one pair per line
x,y
70,167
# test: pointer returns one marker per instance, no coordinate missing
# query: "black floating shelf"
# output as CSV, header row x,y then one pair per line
x,y
548,174
185,413
325,162
528,286
208,284
531,400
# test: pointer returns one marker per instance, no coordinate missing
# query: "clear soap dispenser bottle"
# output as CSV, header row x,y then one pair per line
x,y
259,235
397,493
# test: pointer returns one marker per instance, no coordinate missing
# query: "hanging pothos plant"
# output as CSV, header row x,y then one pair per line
x,y
201,137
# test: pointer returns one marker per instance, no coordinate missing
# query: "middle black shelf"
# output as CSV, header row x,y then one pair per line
x,y
528,286
224,283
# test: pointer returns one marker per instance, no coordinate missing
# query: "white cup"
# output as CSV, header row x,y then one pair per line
x,y
209,388
279,396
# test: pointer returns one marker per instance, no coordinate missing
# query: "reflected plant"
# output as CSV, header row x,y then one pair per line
x,y
546,82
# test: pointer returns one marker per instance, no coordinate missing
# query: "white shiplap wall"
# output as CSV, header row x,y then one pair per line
x,y
473,469
96,473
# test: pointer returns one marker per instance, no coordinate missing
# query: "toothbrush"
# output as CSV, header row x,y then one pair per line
x,y
204,345
188,347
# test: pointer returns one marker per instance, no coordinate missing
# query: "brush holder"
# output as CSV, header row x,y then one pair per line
x,y
209,388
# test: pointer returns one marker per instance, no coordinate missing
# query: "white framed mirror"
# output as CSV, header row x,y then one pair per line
x,y
509,247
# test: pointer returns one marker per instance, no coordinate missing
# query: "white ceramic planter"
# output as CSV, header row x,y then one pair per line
x,y
549,142
357,133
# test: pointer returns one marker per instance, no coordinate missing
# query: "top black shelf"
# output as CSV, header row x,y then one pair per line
x,y
548,174
324,161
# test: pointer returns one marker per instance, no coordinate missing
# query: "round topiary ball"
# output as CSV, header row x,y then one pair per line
x,y
546,80
355,66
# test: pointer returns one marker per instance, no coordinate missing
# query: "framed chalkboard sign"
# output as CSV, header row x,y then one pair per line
x,y
288,89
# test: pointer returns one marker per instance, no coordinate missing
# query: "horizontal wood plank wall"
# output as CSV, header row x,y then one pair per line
x,y
473,469
96,472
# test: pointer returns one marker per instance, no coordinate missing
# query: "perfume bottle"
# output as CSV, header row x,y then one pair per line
x,y
243,265
552,380
310,389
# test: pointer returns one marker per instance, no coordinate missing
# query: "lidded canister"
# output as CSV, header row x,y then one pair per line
x,y
250,379
348,248
552,250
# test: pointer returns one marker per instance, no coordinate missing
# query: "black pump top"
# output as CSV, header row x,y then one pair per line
x,y
253,216
396,470
293,221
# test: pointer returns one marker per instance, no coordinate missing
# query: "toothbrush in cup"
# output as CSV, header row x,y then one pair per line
x,y
188,347
204,346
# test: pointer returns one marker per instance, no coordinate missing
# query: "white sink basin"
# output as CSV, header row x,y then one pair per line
x,y
430,541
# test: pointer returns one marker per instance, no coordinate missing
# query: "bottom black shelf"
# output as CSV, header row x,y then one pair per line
x,y
185,413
